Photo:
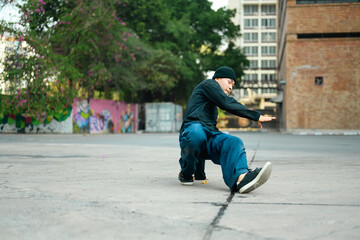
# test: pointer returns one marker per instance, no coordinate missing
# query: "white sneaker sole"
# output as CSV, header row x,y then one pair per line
x,y
187,184
260,179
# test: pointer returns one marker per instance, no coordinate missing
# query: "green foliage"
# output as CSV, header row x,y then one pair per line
x,y
142,50
160,74
186,28
232,57
71,46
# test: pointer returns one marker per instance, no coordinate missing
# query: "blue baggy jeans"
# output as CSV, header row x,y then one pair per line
x,y
198,143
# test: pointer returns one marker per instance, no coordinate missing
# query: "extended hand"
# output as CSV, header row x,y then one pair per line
x,y
264,119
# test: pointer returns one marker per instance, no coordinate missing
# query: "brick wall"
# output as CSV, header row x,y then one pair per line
x,y
320,18
335,104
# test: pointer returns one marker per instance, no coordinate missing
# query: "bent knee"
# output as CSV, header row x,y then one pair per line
x,y
193,136
235,142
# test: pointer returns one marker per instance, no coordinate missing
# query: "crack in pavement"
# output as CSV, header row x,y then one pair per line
x,y
283,203
301,204
216,220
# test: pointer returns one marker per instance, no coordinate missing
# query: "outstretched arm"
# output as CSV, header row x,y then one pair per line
x,y
264,119
213,92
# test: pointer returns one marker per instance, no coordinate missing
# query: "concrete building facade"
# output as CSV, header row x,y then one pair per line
x,y
8,44
257,19
319,64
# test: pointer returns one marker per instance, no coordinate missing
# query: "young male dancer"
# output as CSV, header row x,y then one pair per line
x,y
200,139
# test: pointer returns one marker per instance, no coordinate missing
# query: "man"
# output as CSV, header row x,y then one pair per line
x,y
200,139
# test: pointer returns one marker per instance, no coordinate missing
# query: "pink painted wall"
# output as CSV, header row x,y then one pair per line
x,y
104,116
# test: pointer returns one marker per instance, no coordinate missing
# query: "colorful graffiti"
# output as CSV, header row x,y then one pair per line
x,y
126,123
104,116
20,123
81,116
96,117
101,123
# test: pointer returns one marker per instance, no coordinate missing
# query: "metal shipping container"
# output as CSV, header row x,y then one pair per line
x,y
163,117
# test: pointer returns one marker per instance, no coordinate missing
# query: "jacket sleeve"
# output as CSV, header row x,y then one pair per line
x,y
216,95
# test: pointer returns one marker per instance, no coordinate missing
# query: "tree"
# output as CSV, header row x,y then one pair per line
x,y
186,28
146,50
72,48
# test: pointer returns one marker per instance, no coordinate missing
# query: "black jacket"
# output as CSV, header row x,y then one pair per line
x,y
203,103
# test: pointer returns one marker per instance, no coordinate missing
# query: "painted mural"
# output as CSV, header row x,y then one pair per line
x,y
20,123
103,116
95,117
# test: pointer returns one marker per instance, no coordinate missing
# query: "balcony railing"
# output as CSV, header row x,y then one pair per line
x,y
258,84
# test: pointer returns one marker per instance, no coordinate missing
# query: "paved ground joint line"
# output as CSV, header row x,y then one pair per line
x,y
224,206
253,157
300,204
217,218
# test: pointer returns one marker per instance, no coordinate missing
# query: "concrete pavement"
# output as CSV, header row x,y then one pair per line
x,y
126,187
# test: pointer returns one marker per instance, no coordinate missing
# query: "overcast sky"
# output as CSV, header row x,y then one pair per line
x,y
218,4
9,13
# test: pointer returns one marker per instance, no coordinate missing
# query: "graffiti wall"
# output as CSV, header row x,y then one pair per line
x,y
104,116
97,116
20,123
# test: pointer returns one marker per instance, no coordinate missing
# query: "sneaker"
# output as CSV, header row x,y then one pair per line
x,y
184,180
254,179
202,180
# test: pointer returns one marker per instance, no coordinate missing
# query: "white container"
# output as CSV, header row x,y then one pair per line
x,y
163,117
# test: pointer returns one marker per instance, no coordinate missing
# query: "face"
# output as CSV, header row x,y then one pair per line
x,y
226,84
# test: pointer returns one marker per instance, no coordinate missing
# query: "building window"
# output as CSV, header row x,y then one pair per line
x,y
319,81
268,64
268,9
250,23
268,77
250,78
251,10
329,35
268,37
268,90
268,50
251,51
254,64
250,37
268,23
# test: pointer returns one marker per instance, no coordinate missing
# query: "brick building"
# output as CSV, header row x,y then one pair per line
x,y
319,64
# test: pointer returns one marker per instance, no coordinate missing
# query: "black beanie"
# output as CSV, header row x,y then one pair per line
x,y
225,72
